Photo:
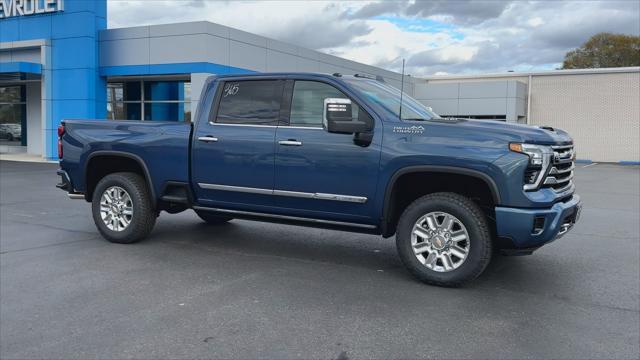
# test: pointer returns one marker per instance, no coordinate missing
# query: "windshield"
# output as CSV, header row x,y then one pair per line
x,y
389,98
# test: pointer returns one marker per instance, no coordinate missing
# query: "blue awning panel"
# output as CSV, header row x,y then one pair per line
x,y
20,67
166,69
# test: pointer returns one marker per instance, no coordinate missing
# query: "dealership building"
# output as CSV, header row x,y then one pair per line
x,y
59,61
600,108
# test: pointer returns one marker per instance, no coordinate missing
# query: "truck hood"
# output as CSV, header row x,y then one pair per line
x,y
514,132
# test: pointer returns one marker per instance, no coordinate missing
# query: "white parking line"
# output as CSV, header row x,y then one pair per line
x,y
586,166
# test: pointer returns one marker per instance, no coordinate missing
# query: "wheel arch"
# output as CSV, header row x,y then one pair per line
x,y
387,223
91,180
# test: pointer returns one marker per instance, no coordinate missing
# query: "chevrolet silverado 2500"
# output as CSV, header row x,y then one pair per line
x,y
331,151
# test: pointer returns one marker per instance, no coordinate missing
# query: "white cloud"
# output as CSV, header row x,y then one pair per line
x,y
386,43
535,22
456,37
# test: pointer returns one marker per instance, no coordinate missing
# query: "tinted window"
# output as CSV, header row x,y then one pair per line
x,y
250,102
133,111
10,94
132,91
307,103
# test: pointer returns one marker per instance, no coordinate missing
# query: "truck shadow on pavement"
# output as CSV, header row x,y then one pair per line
x,y
371,252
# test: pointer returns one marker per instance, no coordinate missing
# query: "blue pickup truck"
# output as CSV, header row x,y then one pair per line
x,y
337,152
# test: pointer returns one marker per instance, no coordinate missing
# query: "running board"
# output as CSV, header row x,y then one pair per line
x,y
293,220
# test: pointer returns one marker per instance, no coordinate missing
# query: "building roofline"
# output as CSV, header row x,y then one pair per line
x,y
536,73
231,33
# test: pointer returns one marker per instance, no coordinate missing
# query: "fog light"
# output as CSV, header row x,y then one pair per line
x,y
538,225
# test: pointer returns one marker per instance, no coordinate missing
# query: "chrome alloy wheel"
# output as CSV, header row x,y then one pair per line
x,y
116,208
440,241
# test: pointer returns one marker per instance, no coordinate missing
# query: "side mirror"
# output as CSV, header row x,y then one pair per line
x,y
338,117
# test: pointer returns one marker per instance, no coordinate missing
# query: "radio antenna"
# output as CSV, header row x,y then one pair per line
x,y
401,91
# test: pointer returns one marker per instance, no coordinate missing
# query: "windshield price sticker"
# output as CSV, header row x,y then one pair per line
x,y
231,89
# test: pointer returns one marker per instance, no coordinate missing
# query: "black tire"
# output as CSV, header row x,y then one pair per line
x,y
143,217
9,137
473,219
212,219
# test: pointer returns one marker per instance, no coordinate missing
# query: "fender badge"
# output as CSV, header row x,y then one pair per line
x,y
408,129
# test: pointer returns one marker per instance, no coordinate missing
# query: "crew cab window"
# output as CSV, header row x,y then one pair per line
x,y
307,103
255,102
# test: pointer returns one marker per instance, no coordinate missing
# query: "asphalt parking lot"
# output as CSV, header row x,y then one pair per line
x,y
253,290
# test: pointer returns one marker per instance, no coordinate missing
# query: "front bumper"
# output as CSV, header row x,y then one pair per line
x,y
529,229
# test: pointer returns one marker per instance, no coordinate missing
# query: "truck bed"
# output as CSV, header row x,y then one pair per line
x,y
161,146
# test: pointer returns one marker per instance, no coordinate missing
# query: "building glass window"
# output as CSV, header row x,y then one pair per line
x,y
124,101
13,115
133,91
162,111
149,100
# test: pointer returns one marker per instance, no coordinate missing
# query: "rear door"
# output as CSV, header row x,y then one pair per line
x,y
234,153
320,174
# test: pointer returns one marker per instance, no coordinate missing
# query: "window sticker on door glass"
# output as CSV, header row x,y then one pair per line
x,y
231,89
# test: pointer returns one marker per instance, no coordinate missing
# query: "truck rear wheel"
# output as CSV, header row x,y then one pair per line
x,y
443,239
212,219
122,208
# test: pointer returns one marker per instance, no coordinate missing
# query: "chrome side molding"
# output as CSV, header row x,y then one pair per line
x,y
285,217
236,189
298,194
321,196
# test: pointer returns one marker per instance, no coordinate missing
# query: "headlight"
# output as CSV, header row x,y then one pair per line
x,y
539,158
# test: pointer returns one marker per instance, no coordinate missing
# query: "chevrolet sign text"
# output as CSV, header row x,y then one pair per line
x,y
12,8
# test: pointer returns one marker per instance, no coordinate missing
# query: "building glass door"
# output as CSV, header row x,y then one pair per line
x,y
13,115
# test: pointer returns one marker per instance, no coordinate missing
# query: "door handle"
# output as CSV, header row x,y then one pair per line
x,y
208,139
290,142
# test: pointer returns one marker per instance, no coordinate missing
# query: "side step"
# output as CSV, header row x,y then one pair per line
x,y
176,193
175,199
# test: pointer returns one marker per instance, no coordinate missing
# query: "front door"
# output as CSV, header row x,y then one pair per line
x,y
233,155
321,174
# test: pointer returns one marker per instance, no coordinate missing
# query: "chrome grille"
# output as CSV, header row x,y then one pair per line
x,y
560,175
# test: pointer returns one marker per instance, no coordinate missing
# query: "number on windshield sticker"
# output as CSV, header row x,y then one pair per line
x,y
231,89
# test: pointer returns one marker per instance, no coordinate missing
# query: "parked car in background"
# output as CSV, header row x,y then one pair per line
x,y
10,131
333,151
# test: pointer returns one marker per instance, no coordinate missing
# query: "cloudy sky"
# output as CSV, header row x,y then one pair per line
x,y
435,37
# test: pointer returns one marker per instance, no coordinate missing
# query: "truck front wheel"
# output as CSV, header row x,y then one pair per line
x,y
122,208
444,239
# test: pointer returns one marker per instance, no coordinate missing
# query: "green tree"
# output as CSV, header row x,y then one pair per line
x,y
605,50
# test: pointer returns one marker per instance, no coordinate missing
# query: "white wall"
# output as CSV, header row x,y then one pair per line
x,y
600,111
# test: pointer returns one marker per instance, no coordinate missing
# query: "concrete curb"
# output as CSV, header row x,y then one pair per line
x,y
22,157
